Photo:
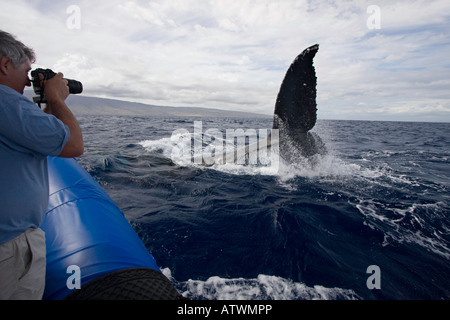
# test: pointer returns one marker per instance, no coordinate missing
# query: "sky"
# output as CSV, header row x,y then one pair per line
x,y
378,60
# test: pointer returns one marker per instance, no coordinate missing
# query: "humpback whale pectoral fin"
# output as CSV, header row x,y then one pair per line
x,y
296,109
296,100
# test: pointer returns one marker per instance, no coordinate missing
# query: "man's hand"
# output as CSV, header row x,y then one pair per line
x,y
55,89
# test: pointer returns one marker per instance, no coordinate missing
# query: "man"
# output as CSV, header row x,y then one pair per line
x,y
27,136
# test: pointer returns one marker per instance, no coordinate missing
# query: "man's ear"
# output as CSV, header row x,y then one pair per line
x,y
5,65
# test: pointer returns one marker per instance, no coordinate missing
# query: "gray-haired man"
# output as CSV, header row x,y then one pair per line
x,y
27,136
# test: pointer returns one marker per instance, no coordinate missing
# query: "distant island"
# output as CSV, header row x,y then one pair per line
x,y
83,105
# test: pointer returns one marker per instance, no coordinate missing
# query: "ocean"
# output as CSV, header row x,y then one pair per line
x,y
368,220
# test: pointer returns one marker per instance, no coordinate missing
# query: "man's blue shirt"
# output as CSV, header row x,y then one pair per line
x,y
27,137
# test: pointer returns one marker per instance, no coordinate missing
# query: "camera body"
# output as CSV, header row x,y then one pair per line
x,y
75,86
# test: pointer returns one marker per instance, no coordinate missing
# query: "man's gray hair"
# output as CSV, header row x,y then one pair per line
x,y
14,49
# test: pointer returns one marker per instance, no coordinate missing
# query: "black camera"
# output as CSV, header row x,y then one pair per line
x,y
74,85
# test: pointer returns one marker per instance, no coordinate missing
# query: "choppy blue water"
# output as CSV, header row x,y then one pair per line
x,y
379,198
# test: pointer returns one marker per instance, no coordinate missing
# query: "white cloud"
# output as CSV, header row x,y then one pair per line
x,y
233,54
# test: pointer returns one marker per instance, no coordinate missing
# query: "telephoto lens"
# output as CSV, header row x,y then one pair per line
x,y
75,86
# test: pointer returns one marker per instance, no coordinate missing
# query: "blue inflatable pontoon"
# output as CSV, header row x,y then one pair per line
x,y
86,231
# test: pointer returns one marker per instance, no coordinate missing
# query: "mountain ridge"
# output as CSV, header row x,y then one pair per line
x,y
86,105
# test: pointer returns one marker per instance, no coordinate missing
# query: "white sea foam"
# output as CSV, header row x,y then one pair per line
x,y
179,149
394,230
264,287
